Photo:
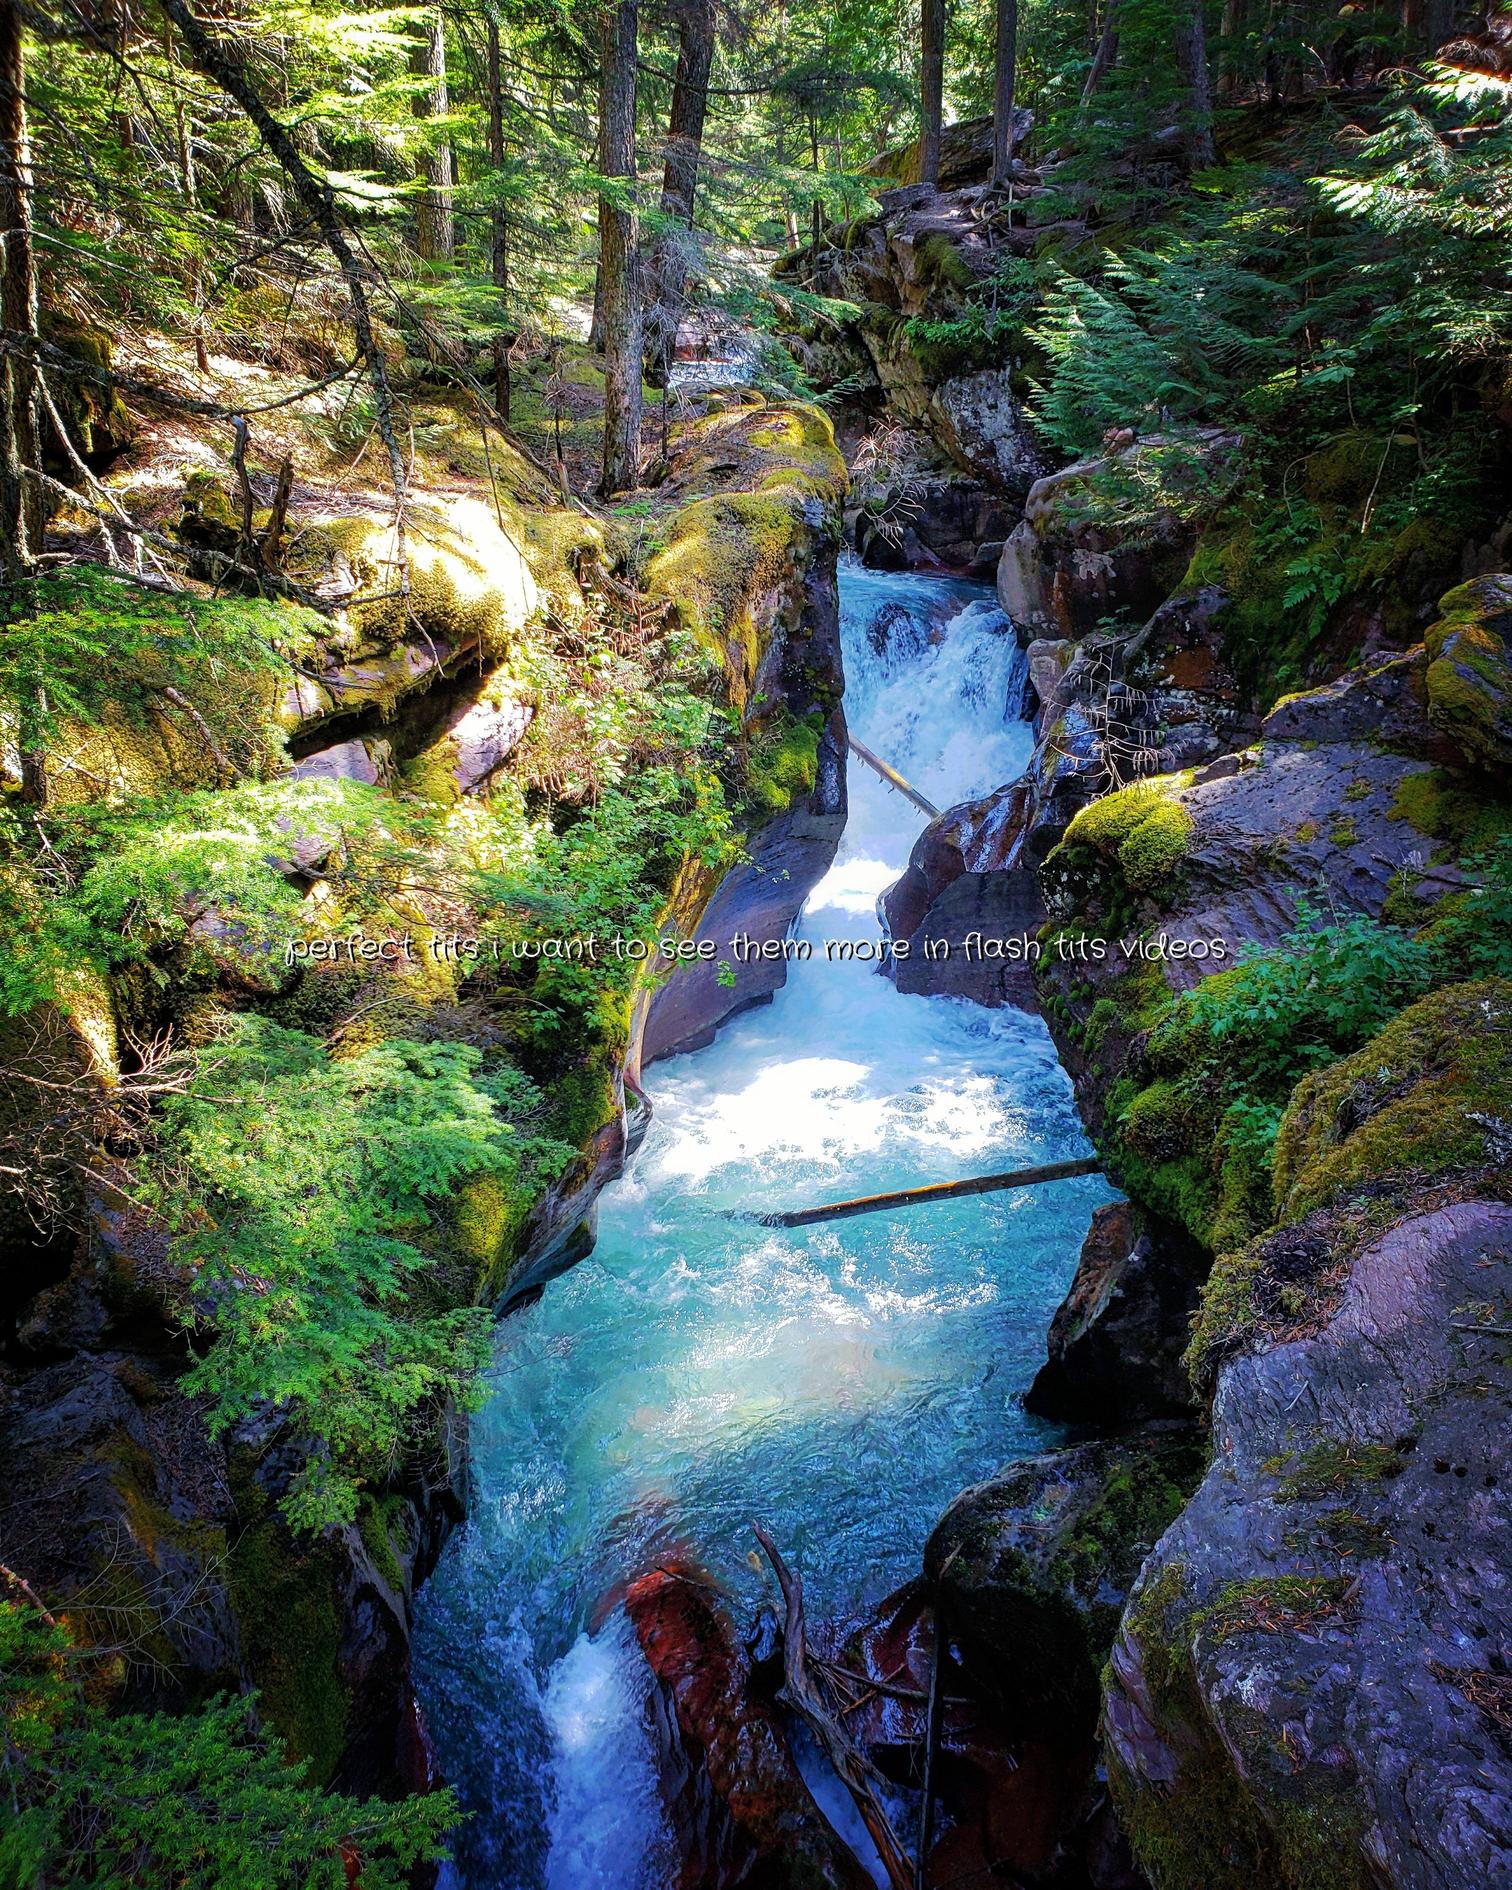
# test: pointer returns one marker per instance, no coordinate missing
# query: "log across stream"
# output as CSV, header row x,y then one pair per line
x,y
840,1382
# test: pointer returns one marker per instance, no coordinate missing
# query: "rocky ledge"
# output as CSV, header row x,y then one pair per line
x,y
120,1504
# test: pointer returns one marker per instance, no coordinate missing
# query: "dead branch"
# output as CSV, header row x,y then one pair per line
x,y
219,63
806,1696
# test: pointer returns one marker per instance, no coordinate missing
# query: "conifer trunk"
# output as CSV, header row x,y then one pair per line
x,y
619,252
1004,69
435,232
1191,57
499,225
1106,56
931,89
685,125
20,495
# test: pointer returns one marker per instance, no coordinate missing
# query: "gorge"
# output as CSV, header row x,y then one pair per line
x,y
465,618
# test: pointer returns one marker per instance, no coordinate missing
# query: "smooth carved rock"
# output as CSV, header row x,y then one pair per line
x,y
740,1811
368,761
1032,1567
960,887
479,737
1311,1675
1117,1339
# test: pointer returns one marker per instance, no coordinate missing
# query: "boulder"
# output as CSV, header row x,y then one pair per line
x,y
479,735
942,519
978,420
1469,680
1309,1686
368,761
739,1808
1064,573
1117,1339
1033,1566
965,152
967,915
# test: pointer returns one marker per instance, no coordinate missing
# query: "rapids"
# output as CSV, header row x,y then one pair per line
x,y
841,1383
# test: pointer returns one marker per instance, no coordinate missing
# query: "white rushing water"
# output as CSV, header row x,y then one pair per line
x,y
841,1383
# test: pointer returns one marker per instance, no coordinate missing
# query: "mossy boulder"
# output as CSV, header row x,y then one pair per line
x,y
1334,1602
1470,670
1032,1567
1423,1098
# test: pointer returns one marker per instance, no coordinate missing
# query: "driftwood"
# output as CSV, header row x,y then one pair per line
x,y
804,1690
933,1716
914,1197
891,776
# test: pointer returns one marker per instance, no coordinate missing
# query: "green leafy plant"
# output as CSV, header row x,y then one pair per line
x,y
305,1197
201,1801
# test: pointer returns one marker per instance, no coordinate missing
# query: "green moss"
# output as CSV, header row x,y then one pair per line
x,y
1333,1465
375,1524
941,263
1142,827
1469,679
783,764
1415,1100
286,1604
1437,804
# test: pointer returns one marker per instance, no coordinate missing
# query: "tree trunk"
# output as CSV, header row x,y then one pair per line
x,y
1106,55
1191,57
669,262
1002,93
1235,16
215,58
1438,22
619,251
503,340
435,234
20,495
931,90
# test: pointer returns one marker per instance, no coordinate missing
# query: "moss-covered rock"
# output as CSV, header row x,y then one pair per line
x,y
1470,670
1320,1615
1422,1099
1032,1567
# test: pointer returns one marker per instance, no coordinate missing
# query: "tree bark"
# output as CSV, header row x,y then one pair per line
x,y
1106,56
931,90
217,61
435,231
1235,16
20,496
1191,57
1006,62
685,125
503,341
619,251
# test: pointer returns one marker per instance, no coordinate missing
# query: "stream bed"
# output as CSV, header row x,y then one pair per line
x,y
840,1383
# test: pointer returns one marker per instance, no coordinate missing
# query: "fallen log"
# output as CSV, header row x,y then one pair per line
x,y
891,776
916,1197
807,1698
